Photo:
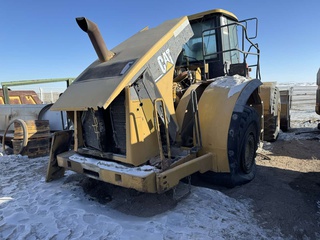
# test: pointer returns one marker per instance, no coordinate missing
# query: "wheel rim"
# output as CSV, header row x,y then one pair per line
x,y
249,153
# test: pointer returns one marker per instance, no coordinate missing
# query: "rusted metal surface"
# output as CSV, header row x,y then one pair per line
x,y
35,128
21,97
60,143
37,135
25,112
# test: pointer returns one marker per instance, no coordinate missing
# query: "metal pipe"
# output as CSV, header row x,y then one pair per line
x,y
5,85
96,39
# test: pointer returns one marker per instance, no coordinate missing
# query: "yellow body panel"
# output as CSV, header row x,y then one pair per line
x,y
214,11
165,86
182,107
170,178
144,179
142,61
142,142
136,178
215,109
265,94
104,89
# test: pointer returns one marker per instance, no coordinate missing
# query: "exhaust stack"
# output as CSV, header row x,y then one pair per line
x,y
96,39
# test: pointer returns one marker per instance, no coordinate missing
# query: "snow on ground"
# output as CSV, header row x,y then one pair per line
x,y
293,84
30,208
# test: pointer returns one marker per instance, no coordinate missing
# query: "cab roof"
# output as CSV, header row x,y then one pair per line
x,y
213,11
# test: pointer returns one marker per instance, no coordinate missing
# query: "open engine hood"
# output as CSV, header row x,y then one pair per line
x,y
101,82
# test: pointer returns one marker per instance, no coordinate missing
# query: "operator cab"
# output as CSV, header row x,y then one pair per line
x,y
214,47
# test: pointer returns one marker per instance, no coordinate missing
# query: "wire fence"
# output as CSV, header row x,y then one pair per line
x,y
49,95
303,97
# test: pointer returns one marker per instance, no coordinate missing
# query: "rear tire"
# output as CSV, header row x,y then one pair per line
x,y
243,138
272,118
271,128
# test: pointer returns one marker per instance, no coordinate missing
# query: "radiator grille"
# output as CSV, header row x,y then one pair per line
x,y
105,130
118,122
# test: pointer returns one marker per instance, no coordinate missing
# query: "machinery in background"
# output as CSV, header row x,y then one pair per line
x,y
317,108
26,122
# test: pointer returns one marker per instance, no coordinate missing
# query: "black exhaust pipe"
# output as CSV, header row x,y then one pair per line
x,y
96,39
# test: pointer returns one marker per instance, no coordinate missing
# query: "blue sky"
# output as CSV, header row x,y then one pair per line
x,y
40,39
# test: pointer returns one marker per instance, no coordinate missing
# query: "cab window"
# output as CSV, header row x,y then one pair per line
x,y
195,48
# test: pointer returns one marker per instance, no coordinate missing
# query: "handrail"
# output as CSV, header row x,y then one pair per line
x,y
242,50
246,21
165,162
197,131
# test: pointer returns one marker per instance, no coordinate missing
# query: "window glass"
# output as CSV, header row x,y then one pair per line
x,y
230,41
195,48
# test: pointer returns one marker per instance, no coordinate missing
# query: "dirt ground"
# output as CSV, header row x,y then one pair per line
x,y
285,193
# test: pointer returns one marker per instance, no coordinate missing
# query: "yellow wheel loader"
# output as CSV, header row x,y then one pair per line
x,y
168,102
